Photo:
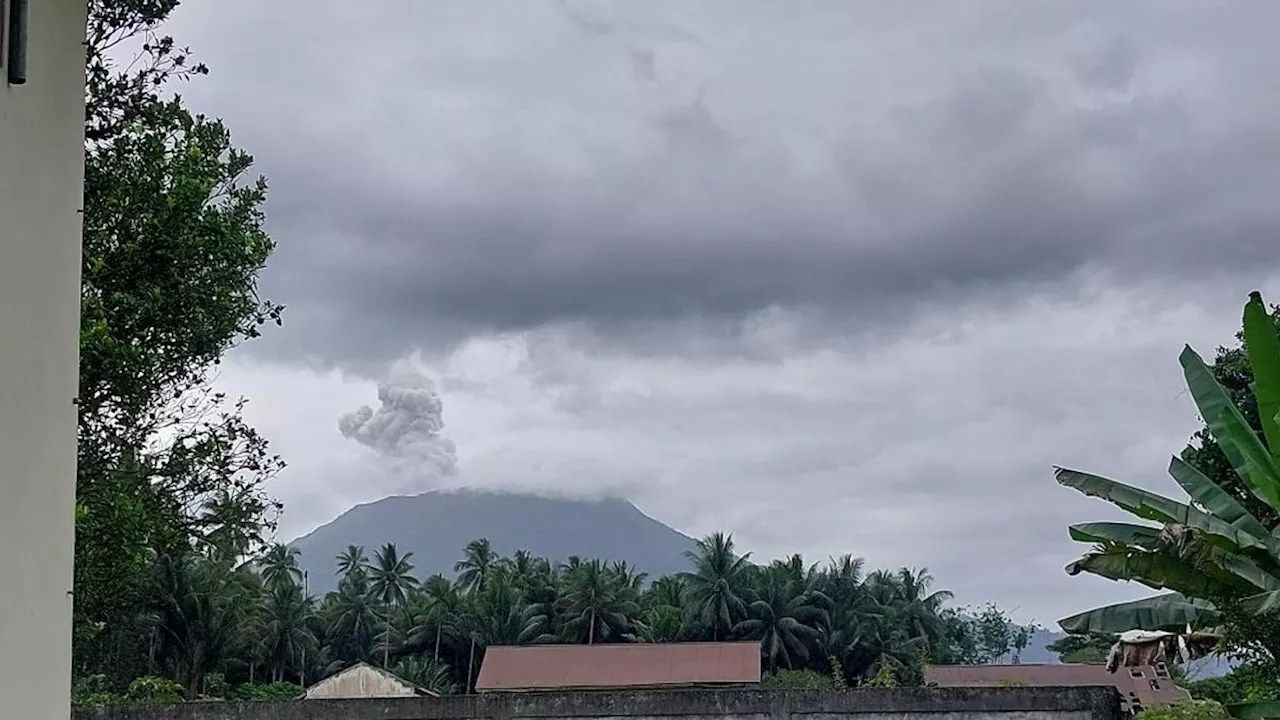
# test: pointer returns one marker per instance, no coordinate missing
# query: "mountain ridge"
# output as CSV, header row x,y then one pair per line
x,y
435,526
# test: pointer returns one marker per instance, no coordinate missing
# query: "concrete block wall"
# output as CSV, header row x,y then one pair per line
x,y
1078,703
41,179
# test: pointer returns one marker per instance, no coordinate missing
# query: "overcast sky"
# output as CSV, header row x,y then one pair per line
x,y
834,276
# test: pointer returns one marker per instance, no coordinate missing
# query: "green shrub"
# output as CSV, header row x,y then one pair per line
x,y
885,677
93,690
1244,684
215,686
796,680
266,691
151,690
1186,710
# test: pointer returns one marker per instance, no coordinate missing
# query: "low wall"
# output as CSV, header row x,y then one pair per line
x,y
1073,703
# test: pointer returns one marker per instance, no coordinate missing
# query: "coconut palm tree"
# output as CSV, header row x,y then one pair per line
x,y
917,605
599,604
279,565
713,592
441,611
390,580
493,616
352,618
228,522
667,590
286,631
782,615
352,560
477,563
429,674
199,604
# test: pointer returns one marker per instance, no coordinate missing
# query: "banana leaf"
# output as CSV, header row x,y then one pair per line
x,y
1215,574
1260,472
1143,536
1150,506
1229,428
1261,603
1263,348
1246,569
1170,611
1215,500
1255,710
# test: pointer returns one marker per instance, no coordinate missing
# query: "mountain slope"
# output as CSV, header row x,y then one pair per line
x,y
436,526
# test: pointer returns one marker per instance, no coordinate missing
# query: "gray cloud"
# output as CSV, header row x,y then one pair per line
x,y
837,277
528,180
934,448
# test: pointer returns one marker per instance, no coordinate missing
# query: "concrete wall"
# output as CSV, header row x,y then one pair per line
x,y
1091,703
41,170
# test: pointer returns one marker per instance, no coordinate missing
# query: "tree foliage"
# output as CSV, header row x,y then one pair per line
x,y
983,636
1083,648
1232,371
173,244
1218,551
1187,710
220,629
1247,683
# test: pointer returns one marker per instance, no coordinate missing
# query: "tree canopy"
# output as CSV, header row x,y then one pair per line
x,y
173,245
218,628
1217,552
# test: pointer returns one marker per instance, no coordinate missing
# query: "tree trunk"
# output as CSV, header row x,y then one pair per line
x,y
436,656
386,641
191,675
591,631
471,661
191,691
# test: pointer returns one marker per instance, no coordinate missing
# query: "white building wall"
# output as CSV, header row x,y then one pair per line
x,y
41,172
360,681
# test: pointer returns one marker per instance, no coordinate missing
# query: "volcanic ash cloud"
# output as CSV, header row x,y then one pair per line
x,y
406,427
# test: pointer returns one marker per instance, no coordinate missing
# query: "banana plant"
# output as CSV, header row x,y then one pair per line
x,y
1208,546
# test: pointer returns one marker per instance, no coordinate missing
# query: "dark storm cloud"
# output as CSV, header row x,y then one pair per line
x,y
437,205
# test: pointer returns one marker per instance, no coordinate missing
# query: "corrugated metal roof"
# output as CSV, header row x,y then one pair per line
x,y
551,667
1145,686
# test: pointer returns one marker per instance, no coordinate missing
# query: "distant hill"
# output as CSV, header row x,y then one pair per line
x,y
1037,650
435,526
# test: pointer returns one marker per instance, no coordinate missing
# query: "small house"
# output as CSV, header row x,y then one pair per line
x,y
363,680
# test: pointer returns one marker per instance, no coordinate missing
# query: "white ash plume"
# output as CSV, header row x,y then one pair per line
x,y
406,427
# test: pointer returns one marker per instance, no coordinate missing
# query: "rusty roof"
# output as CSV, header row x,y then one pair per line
x,y
1140,687
556,667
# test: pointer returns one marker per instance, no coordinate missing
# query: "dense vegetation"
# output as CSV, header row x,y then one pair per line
x,y
220,628
172,248
1218,551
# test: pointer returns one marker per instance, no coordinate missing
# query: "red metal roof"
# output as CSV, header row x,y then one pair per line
x,y
557,667
1139,686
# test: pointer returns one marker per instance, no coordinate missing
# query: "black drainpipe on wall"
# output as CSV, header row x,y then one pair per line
x,y
16,40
